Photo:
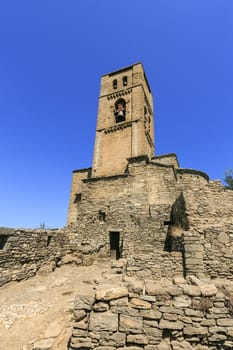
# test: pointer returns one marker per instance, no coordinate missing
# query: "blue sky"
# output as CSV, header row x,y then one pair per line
x,y
52,54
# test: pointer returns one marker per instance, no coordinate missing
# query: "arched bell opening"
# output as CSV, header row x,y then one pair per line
x,y
120,110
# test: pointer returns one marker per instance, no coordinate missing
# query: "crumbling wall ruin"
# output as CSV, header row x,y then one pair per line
x,y
24,252
154,315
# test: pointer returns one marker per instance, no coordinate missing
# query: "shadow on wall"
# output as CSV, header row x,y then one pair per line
x,y
178,223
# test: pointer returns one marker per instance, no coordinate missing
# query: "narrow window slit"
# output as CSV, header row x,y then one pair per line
x,y
77,197
102,215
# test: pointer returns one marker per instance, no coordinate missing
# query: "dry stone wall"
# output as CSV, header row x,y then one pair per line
x,y
155,315
24,252
155,265
209,211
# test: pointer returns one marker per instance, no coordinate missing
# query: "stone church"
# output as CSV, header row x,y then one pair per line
x,y
165,220
165,231
140,206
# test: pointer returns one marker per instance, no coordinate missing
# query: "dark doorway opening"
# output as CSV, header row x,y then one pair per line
x,y
115,252
3,240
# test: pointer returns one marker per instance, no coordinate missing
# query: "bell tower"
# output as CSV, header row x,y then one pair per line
x,y
125,125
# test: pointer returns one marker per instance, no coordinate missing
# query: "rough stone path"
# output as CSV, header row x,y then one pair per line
x,y
41,307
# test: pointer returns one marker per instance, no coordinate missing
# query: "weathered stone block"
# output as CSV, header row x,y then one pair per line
x,y
208,290
217,329
151,347
44,344
119,302
177,325
192,290
125,310
130,324
79,314
108,292
170,317
208,323
179,280
155,289
217,338
195,331
185,319
81,343
173,290
79,333
225,322
134,285
152,332
230,331
150,314
131,348
150,323
105,348
104,321
182,301
137,339
193,313
83,324
140,304
149,298
116,339
223,238
183,345
171,310
228,344
83,302
100,307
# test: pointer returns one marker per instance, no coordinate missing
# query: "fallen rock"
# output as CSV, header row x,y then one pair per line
x,y
44,344
47,269
71,259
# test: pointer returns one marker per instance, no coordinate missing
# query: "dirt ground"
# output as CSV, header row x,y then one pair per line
x,y
28,308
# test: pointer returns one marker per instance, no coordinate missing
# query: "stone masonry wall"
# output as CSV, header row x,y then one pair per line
x,y
209,212
155,265
138,206
24,252
154,315
135,204
153,207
